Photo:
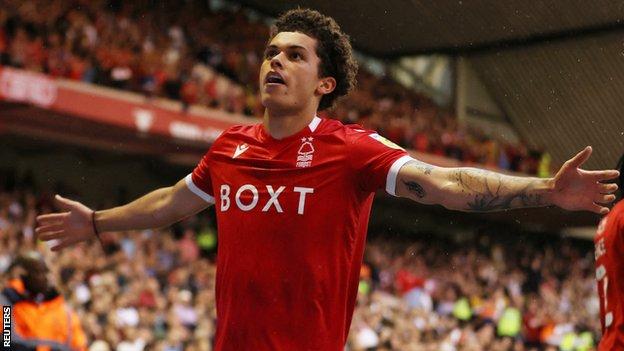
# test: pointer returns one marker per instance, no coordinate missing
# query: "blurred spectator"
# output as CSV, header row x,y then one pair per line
x,y
41,318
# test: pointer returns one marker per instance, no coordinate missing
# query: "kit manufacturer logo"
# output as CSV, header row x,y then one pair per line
x,y
240,149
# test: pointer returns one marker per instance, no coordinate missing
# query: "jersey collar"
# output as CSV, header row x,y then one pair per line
x,y
312,126
315,122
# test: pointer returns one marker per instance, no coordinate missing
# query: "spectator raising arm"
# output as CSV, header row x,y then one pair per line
x,y
161,207
471,189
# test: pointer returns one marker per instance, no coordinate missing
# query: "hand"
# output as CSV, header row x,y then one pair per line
x,y
70,227
577,189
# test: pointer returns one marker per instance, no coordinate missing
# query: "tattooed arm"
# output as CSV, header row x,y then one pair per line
x,y
472,189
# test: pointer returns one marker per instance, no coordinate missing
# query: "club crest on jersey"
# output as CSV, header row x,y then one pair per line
x,y
385,141
305,153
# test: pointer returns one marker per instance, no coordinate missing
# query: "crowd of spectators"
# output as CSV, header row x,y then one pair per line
x,y
154,289
188,52
477,293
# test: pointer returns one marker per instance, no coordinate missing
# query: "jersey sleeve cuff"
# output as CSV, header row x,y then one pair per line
x,y
197,191
394,172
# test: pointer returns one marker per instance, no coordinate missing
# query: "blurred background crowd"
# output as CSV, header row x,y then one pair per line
x,y
188,52
489,289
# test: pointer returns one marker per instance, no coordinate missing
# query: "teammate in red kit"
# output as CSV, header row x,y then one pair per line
x,y
293,196
609,243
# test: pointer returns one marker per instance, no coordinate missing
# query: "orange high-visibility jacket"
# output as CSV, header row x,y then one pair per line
x,y
48,325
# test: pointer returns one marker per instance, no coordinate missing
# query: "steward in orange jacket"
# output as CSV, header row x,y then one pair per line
x,y
41,320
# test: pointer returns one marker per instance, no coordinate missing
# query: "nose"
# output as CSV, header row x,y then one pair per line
x,y
276,61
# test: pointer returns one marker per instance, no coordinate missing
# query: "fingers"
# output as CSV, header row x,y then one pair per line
x,y
53,235
604,199
49,228
607,188
602,175
596,208
580,158
63,203
598,205
51,218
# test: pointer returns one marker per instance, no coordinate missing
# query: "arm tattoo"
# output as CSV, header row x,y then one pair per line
x,y
415,188
490,191
421,166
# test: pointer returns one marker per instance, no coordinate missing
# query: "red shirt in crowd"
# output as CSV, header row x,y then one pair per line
x,y
406,281
292,217
609,244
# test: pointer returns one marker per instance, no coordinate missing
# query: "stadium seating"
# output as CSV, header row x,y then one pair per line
x,y
192,54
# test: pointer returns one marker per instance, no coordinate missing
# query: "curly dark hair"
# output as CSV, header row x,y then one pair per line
x,y
333,48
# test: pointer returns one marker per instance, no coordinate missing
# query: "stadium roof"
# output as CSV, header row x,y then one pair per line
x,y
562,96
405,27
556,68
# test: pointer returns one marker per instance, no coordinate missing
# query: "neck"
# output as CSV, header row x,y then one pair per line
x,y
282,125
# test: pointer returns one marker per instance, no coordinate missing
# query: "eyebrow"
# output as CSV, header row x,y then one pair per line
x,y
273,46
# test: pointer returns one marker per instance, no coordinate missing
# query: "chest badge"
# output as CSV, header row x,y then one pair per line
x,y
305,153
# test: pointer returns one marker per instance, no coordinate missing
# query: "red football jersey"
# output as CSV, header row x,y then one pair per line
x,y
292,216
609,244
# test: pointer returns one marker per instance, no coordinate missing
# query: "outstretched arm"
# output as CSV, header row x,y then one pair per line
x,y
157,209
472,189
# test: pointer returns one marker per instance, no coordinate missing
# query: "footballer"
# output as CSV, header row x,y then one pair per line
x,y
293,196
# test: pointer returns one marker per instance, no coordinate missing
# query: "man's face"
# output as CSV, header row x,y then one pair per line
x,y
289,76
36,277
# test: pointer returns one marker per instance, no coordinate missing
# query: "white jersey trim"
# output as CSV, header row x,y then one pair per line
x,y
197,191
393,173
315,122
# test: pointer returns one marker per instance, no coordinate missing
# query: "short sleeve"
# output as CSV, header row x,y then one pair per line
x,y
199,181
376,161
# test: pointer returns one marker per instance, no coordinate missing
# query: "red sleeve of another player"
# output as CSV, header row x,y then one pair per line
x,y
375,160
618,227
199,181
615,229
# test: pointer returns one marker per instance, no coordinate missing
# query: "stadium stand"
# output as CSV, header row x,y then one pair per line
x,y
197,56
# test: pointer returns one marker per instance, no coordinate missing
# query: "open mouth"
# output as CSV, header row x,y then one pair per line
x,y
274,78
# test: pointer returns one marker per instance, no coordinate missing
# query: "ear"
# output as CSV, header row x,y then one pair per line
x,y
326,85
